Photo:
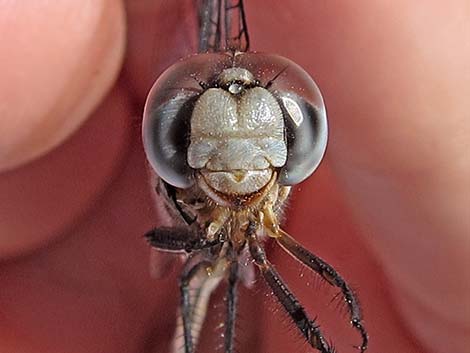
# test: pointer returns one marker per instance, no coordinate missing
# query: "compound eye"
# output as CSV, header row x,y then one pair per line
x,y
307,136
167,116
165,137
306,129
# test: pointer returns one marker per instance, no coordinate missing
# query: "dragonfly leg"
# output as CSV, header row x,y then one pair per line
x,y
330,275
308,327
178,239
231,307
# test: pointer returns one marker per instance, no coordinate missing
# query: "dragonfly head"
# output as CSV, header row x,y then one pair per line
x,y
254,117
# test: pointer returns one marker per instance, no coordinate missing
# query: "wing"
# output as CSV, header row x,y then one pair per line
x,y
202,286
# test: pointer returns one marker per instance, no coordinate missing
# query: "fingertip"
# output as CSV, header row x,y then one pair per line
x,y
62,59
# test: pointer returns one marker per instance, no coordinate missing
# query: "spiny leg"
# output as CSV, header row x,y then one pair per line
x,y
329,274
309,329
187,239
231,306
178,239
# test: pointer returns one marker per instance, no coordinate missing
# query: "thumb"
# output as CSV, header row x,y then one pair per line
x,y
60,59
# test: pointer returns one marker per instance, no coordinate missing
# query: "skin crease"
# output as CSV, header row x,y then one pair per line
x,y
388,207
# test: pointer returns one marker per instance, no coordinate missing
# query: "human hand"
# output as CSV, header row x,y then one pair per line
x,y
74,276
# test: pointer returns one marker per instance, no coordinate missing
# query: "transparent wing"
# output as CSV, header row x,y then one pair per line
x,y
222,26
202,286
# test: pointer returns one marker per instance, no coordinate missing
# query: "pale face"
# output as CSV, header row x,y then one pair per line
x,y
237,135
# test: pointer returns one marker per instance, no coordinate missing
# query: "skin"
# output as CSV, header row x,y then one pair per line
x,y
388,207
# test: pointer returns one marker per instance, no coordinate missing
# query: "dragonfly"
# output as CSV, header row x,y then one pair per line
x,y
227,133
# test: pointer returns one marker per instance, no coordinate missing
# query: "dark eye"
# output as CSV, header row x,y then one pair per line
x,y
167,115
304,115
165,137
307,136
